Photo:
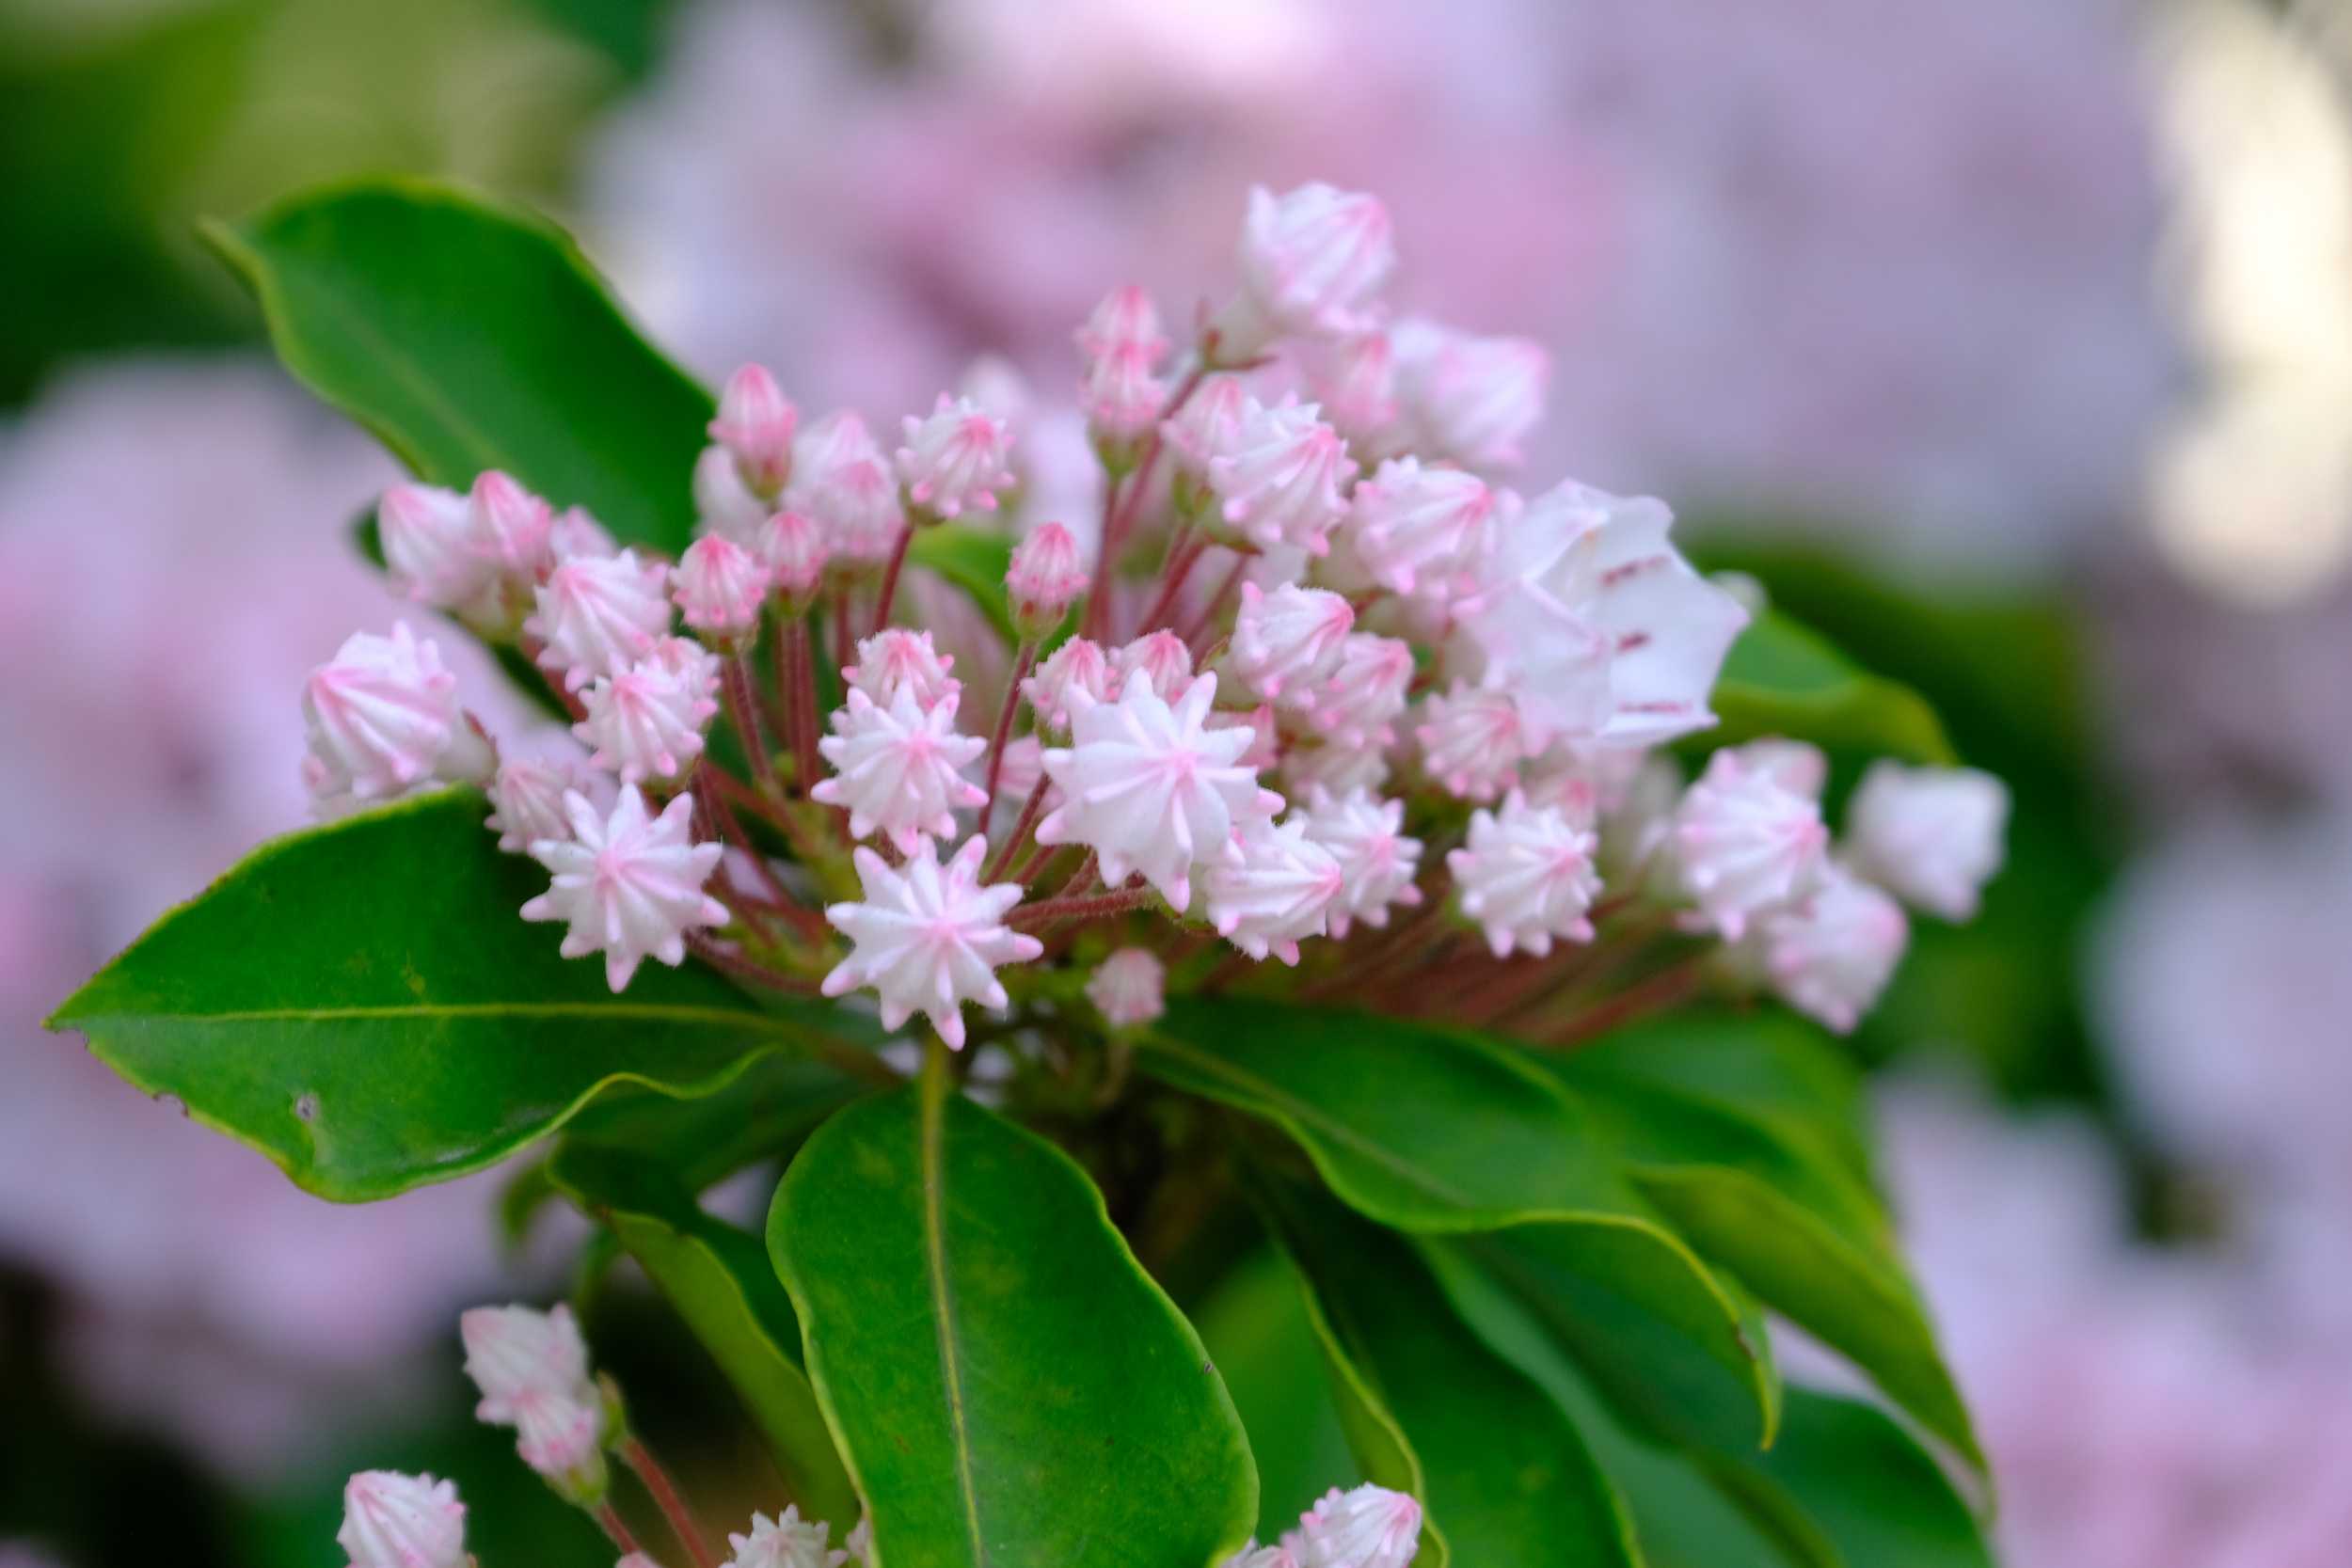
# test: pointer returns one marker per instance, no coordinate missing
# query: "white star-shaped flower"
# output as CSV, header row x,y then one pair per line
x,y
898,769
1149,787
630,885
1277,887
1378,863
929,938
1745,841
1526,875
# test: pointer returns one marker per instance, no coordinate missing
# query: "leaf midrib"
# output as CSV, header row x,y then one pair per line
x,y
932,1134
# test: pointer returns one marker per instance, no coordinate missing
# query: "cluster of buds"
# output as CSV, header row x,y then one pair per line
x,y
531,1370
1316,684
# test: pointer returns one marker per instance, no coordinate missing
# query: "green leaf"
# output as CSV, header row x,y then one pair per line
x,y
363,1003
719,1279
1502,1474
769,1110
1844,1487
468,336
1767,1183
974,559
1437,1132
1006,1382
1782,679
1257,1331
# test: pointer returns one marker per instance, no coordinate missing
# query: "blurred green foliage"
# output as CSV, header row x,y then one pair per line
x,y
127,120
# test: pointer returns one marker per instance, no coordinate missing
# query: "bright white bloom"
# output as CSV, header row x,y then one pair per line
x,y
1287,639
1744,840
791,544
954,461
724,503
381,717
515,1354
898,769
1357,703
1312,261
1470,399
1597,624
786,1542
929,938
1121,395
1526,875
629,884
720,586
396,1521
1279,886
1354,381
597,615
527,800
1378,863
1151,788
894,660
1830,954
428,539
1125,318
1421,530
1208,426
1044,577
1278,482
647,722
1930,835
840,478
1127,988
756,425
512,529
1161,658
1368,1527
1077,666
1472,740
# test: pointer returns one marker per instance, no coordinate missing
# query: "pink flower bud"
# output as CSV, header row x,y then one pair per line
x,y
1208,426
1077,670
895,658
1279,483
596,615
1368,1527
647,722
396,1521
383,718
427,535
720,586
954,461
1354,381
1830,954
1126,318
512,529
1287,639
1312,261
1120,397
792,545
1126,987
840,479
1470,398
1161,658
756,423
1045,578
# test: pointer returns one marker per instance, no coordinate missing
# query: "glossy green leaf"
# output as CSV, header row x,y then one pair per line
x,y
1005,1382
1439,1133
769,1110
975,558
1767,1183
362,1003
1257,1331
1845,1486
720,1281
1781,678
468,336
1501,1473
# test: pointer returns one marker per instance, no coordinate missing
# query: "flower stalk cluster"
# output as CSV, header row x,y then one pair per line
x,y
1317,703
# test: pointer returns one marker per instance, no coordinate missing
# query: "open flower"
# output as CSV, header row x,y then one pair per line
x,y
928,938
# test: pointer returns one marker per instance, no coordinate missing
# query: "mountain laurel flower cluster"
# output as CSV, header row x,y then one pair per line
x,y
1312,672
1263,840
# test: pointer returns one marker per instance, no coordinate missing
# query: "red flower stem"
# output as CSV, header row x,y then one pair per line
x,y
735,688
1021,663
1200,624
1663,990
842,644
608,1518
1099,591
1184,547
1030,811
748,969
890,576
807,757
1094,908
665,1495
1118,519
